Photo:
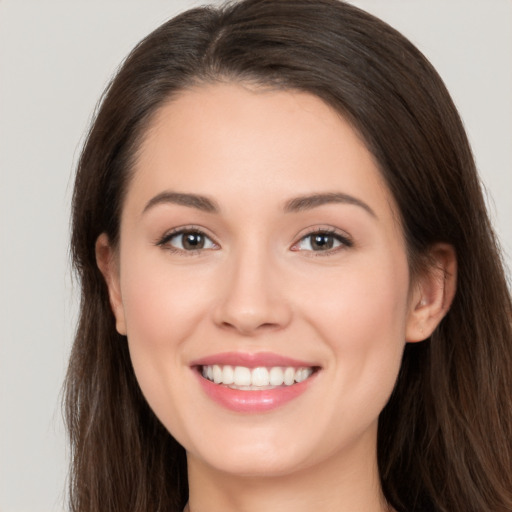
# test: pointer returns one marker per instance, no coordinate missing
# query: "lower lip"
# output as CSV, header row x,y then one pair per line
x,y
253,401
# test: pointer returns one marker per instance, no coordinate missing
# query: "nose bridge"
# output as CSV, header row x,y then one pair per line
x,y
252,299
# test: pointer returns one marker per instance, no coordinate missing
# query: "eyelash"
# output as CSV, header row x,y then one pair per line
x,y
343,240
190,230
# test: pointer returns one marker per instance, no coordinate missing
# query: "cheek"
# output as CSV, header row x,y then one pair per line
x,y
162,309
362,315
161,301
370,296
162,305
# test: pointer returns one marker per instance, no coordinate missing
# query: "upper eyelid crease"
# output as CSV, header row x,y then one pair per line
x,y
325,229
180,231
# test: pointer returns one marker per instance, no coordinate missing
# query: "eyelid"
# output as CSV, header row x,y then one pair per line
x,y
342,236
168,235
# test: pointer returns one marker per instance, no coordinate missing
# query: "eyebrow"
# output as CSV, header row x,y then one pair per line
x,y
296,204
191,200
315,200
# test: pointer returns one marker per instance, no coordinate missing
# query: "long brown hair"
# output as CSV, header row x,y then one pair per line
x,y
444,439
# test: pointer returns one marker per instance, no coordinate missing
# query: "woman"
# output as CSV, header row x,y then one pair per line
x,y
291,292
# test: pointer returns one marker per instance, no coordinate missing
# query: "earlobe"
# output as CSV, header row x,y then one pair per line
x,y
433,293
108,265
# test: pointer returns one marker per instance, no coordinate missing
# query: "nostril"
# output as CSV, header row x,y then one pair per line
x,y
248,328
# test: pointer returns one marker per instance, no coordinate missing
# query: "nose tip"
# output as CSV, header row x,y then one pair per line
x,y
252,301
249,323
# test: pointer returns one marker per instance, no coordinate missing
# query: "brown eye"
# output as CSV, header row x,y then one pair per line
x,y
322,241
192,241
187,241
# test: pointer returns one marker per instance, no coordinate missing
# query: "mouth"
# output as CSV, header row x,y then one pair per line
x,y
255,379
254,383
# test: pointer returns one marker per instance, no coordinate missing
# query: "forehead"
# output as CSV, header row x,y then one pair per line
x,y
226,140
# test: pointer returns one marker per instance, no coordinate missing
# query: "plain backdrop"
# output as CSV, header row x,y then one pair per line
x,y
55,59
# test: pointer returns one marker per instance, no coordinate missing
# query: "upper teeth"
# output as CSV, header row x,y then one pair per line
x,y
240,376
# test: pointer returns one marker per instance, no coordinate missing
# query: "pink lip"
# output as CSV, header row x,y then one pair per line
x,y
253,401
267,359
256,401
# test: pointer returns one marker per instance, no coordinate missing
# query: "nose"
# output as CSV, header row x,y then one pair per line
x,y
253,296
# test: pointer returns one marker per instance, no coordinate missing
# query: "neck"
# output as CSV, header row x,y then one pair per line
x,y
344,483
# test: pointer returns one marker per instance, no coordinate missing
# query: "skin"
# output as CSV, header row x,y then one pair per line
x,y
258,286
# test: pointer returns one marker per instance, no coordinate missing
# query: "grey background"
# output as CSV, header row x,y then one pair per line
x,y
55,59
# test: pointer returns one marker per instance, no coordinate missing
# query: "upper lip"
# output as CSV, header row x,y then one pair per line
x,y
259,359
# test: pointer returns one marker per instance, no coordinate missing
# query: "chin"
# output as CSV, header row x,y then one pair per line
x,y
256,463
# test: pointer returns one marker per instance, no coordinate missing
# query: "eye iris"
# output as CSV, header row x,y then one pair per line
x,y
322,241
193,241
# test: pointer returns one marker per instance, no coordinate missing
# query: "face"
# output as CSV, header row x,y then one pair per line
x,y
262,280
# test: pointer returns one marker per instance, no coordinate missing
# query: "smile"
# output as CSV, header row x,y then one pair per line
x,y
254,383
259,378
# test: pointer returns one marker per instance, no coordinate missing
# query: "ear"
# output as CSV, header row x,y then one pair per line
x,y
433,293
107,262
